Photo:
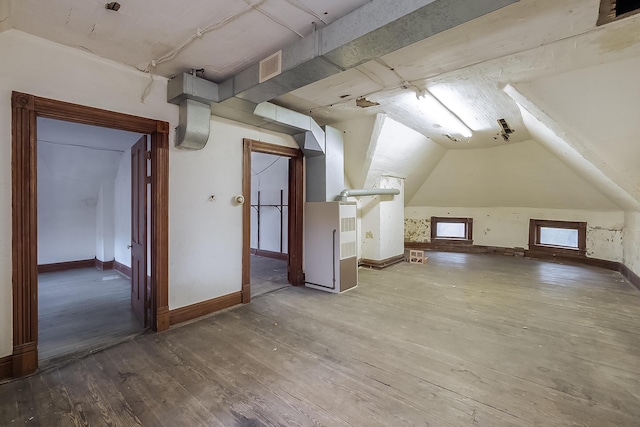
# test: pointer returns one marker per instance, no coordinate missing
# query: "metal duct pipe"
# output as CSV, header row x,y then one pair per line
x,y
375,29
194,121
314,141
372,192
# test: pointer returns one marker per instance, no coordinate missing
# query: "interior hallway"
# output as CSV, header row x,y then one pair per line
x,y
463,340
83,310
267,275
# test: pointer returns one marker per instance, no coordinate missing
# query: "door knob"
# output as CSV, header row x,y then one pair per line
x,y
128,246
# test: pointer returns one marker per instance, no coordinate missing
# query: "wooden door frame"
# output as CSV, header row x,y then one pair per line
x,y
25,109
296,206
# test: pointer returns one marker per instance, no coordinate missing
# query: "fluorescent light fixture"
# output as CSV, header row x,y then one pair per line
x,y
440,114
469,111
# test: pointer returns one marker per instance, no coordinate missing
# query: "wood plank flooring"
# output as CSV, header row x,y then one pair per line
x,y
465,340
267,275
82,310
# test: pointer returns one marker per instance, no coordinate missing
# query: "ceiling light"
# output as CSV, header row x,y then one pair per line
x,y
441,115
459,100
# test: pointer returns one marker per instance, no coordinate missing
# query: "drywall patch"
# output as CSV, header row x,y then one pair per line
x,y
417,230
368,235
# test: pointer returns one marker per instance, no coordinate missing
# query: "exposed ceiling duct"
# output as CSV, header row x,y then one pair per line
x,y
314,137
194,121
344,194
375,29
323,149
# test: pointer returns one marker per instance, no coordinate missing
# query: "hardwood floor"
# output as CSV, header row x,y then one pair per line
x,y
465,340
267,275
82,310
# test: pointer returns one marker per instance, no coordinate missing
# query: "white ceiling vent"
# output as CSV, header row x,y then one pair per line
x,y
270,67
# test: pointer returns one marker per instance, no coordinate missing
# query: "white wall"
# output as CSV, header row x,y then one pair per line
x,y
66,206
631,241
523,174
509,227
66,233
122,211
382,222
269,178
105,222
49,70
205,257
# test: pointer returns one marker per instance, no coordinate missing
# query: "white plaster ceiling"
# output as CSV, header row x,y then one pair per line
x,y
464,67
74,160
553,47
235,33
471,63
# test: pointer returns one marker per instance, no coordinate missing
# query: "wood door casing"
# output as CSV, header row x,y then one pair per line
x,y
296,177
139,230
25,108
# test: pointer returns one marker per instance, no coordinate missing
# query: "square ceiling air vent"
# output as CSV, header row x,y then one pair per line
x,y
270,67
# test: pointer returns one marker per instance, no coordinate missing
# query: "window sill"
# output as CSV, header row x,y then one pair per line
x,y
440,240
555,250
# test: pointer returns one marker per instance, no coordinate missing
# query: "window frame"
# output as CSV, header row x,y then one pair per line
x,y
468,230
534,237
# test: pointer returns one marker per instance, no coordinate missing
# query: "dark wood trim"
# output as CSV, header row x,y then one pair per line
x,y
121,268
246,221
296,207
24,359
199,309
6,367
104,265
447,246
296,220
468,230
25,109
24,234
160,226
68,265
534,237
270,254
632,277
626,272
380,264
277,150
573,259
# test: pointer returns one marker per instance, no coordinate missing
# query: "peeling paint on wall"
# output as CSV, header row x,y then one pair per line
x,y
509,227
604,239
417,230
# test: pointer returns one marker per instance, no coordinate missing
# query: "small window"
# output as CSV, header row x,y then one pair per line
x,y
558,236
612,10
452,229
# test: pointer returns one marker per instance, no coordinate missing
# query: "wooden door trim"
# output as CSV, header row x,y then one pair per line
x,y
25,109
296,205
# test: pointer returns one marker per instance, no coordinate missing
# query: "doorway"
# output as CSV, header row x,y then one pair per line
x,y
269,222
26,109
85,216
282,233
